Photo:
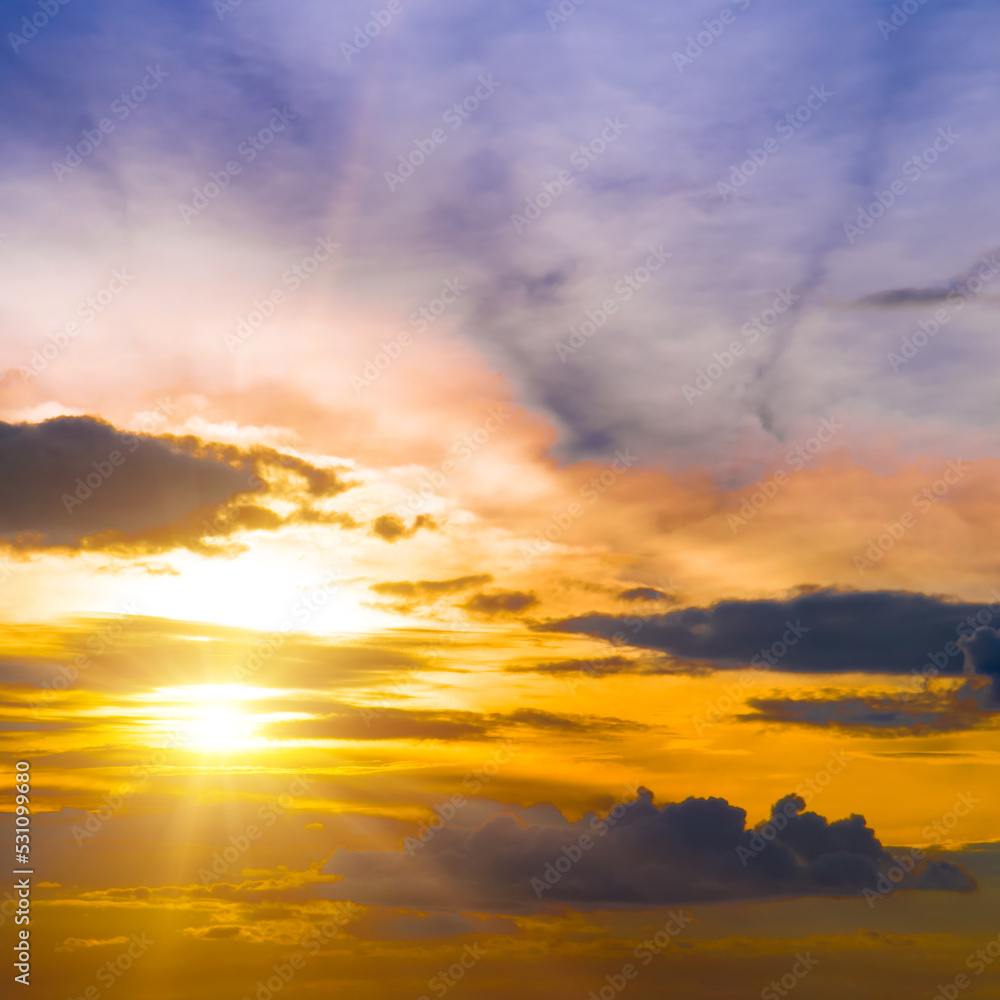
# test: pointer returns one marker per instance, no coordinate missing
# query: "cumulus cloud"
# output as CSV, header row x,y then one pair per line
x,y
822,631
639,854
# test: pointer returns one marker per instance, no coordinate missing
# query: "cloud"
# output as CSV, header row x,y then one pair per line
x,y
639,854
391,528
982,656
215,932
956,291
72,477
605,666
537,719
79,483
904,297
918,714
269,464
75,944
133,652
430,590
528,288
361,722
504,602
642,594
822,631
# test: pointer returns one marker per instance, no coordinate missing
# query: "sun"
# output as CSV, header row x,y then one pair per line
x,y
209,718
219,728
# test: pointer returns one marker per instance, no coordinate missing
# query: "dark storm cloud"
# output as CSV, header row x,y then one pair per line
x,y
504,602
695,851
823,631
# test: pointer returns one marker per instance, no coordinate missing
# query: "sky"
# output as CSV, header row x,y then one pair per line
x,y
496,496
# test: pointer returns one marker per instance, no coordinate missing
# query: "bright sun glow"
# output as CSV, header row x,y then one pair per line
x,y
219,728
209,718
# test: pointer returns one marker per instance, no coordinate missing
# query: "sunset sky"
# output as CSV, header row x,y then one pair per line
x,y
497,499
